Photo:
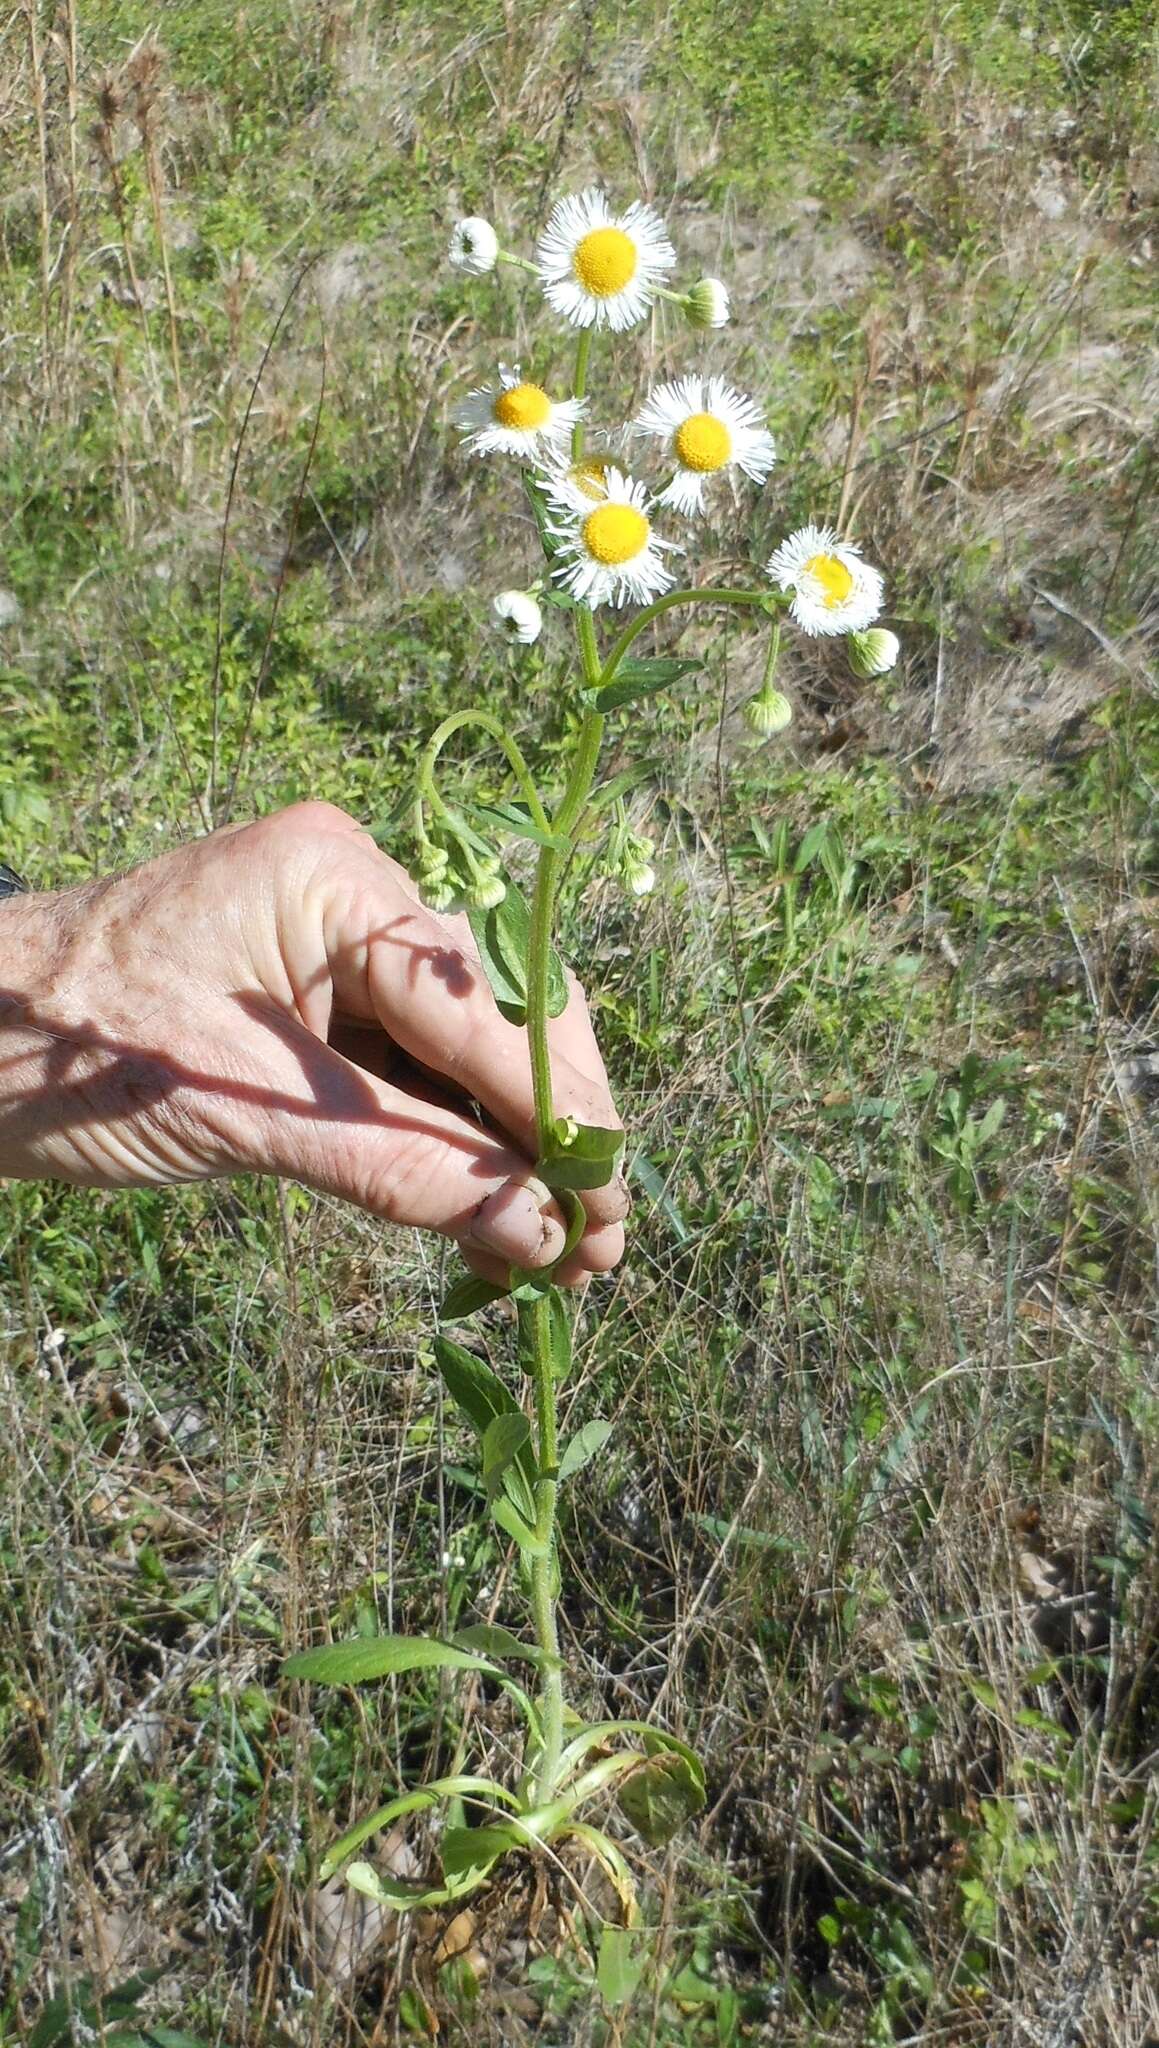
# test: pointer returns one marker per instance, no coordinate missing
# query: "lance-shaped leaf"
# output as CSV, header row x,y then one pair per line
x,y
481,1396
471,1852
370,1657
579,1155
503,936
583,1447
517,819
661,1795
467,1296
640,678
489,1640
503,1440
620,1965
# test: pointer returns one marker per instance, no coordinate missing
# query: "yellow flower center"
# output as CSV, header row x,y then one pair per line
x,y
615,533
833,576
590,476
605,261
525,406
702,442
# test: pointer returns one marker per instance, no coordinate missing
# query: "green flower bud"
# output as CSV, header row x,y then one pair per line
x,y
706,305
487,893
872,653
769,713
437,895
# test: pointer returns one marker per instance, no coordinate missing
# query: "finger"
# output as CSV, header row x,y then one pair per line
x,y
408,1160
430,994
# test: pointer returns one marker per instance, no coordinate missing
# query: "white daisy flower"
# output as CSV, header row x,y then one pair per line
x,y
474,246
707,304
515,417
834,591
607,551
706,427
519,616
588,477
601,269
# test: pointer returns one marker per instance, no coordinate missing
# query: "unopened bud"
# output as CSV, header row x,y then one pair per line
x,y
487,893
474,246
769,713
872,653
436,895
706,305
639,877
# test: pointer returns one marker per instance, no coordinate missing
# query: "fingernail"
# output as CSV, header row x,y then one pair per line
x,y
520,1222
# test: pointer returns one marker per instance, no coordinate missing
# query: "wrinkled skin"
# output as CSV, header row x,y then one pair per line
x,y
275,999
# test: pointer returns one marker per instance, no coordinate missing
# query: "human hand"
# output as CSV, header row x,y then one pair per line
x,y
275,999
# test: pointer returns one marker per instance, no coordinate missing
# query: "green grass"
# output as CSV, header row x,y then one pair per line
x,y
878,1528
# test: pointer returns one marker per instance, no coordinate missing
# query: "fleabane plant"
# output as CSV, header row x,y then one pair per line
x,y
613,541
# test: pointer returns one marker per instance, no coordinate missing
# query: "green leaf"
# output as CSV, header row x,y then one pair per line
x,y
423,1796
580,1155
480,1395
517,819
393,1891
468,1295
518,1528
661,1795
503,936
376,1656
640,678
584,1446
490,1640
470,1852
618,1971
503,1440
811,846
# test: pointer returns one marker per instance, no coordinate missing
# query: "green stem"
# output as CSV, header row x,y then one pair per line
x,y
544,1569
620,647
515,760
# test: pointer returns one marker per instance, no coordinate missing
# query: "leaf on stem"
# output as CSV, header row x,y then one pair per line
x,y
583,1447
369,1657
492,1641
503,1440
468,1295
579,1155
639,678
517,819
503,936
480,1395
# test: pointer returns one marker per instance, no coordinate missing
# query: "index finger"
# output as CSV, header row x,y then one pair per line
x,y
429,992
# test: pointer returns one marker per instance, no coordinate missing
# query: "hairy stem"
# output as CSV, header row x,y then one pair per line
x,y
519,768
544,1569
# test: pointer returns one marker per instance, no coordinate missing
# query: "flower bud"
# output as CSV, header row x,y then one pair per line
x,y
520,619
872,653
432,863
639,877
769,713
474,246
706,305
436,895
487,892
636,871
